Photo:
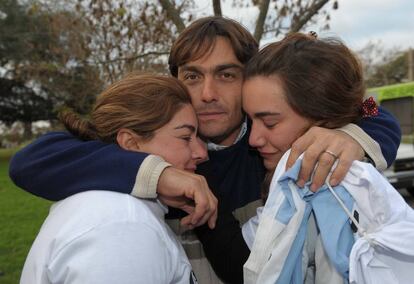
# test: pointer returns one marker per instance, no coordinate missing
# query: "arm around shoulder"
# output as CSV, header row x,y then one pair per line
x,y
380,136
58,165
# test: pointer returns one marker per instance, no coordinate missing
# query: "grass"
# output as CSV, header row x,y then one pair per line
x,y
21,216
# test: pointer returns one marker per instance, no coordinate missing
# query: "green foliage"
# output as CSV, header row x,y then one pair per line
x,y
14,34
43,51
21,217
20,103
394,91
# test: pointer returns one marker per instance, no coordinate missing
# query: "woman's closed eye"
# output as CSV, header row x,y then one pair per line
x,y
270,124
187,138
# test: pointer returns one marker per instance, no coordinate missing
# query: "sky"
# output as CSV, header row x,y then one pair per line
x,y
356,22
389,21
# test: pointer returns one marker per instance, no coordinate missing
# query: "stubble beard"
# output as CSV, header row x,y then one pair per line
x,y
216,134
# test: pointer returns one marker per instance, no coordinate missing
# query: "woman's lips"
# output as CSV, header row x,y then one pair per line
x,y
267,154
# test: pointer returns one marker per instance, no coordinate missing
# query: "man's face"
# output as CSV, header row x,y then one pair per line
x,y
214,82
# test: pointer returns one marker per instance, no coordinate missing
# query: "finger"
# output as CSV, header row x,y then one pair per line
x,y
210,215
310,158
344,164
186,223
189,209
201,210
351,151
297,148
325,163
213,218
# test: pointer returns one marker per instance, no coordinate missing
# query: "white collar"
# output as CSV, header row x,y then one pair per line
x,y
216,147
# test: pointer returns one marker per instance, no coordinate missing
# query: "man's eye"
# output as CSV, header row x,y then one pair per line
x,y
191,77
187,138
227,75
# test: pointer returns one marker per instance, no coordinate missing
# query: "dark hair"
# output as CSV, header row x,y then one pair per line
x,y
199,38
322,79
140,102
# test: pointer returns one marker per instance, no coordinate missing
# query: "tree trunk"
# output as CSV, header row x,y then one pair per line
x,y
173,14
27,131
301,21
263,8
217,8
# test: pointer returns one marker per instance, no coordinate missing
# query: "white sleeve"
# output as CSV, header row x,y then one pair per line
x,y
114,253
370,146
147,177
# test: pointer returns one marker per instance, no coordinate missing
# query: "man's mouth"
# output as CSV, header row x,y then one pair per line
x,y
211,115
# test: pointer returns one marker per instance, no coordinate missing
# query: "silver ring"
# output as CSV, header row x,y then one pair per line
x,y
331,153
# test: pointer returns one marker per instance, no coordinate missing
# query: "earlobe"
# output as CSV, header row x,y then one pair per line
x,y
127,139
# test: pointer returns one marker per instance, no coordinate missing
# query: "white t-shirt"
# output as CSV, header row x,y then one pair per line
x,y
106,237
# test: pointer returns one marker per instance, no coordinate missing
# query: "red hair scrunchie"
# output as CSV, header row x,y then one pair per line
x,y
369,107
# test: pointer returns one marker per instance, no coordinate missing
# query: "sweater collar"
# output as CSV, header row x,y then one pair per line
x,y
217,147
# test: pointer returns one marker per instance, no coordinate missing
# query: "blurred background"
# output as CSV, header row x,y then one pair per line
x,y
57,54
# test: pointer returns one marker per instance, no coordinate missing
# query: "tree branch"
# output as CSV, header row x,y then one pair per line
x,y
217,8
173,14
263,8
309,13
104,62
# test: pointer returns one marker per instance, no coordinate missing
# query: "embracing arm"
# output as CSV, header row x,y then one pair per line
x,y
58,165
378,137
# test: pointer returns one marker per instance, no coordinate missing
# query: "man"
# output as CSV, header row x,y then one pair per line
x,y
208,57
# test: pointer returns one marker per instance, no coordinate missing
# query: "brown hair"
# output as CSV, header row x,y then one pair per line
x,y
199,38
140,102
322,79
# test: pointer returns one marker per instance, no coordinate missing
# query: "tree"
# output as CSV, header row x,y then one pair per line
x,y
383,66
128,35
43,50
20,103
66,51
276,17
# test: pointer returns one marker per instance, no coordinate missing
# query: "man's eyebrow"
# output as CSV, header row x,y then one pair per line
x,y
228,66
189,68
266,113
188,126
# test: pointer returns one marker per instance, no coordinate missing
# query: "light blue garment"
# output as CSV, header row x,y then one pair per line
x,y
332,222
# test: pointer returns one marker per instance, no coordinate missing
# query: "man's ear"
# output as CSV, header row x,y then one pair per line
x,y
127,139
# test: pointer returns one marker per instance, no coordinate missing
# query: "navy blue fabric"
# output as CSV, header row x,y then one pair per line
x,y
384,129
58,165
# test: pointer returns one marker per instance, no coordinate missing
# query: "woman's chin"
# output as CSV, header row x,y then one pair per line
x,y
270,165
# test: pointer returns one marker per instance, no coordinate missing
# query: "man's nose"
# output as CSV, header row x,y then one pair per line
x,y
209,92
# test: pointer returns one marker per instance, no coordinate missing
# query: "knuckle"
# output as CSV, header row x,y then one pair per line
x,y
325,161
316,129
311,155
296,147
